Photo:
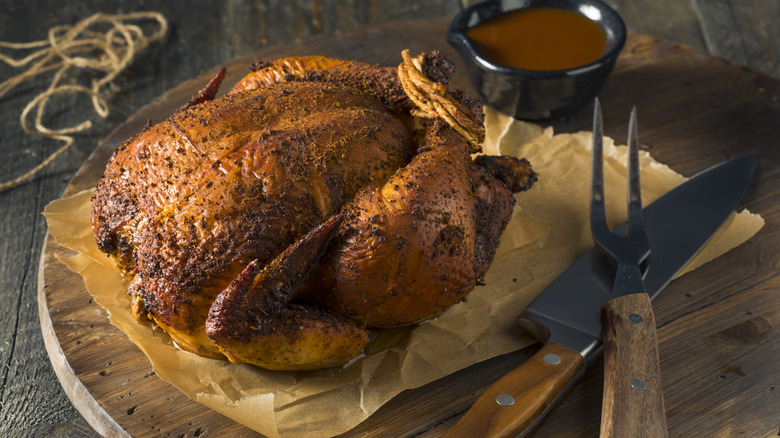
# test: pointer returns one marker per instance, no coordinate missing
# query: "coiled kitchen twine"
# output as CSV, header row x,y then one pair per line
x,y
432,100
80,46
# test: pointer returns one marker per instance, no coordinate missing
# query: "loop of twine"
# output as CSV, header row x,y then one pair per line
x,y
77,46
432,100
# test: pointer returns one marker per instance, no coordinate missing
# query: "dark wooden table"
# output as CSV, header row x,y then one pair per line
x,y
205,34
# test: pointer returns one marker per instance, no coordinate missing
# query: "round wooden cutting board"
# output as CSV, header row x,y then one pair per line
x,y
683,97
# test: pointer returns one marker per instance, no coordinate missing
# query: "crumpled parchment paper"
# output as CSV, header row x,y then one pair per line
x,y
549,231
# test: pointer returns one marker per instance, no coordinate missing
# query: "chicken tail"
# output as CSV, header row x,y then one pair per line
x,y
515,173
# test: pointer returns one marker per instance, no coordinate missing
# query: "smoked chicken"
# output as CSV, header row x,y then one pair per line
x,y
316,199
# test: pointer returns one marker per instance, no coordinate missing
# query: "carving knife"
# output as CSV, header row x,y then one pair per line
x,y
566,314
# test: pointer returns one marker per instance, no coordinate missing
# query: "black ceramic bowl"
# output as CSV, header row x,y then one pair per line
x,y
537,94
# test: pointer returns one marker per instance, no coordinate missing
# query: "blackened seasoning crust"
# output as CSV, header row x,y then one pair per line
x,y
224,214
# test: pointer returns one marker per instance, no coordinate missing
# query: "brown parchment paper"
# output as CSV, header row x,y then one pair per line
x,y
549,231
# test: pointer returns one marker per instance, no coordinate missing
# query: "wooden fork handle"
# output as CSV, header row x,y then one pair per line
x,y
633,403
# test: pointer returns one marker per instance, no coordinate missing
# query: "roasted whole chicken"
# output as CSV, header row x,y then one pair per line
x,y
316,199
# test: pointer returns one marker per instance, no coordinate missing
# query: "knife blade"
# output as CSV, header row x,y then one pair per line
x,y
566,314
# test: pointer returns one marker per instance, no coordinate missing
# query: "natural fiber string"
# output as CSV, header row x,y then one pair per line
x,y
77,46
432,100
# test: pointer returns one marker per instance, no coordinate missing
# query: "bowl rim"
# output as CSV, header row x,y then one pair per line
x,y
457,35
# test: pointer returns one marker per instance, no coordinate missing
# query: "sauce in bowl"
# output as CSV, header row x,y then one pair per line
x,y
539,39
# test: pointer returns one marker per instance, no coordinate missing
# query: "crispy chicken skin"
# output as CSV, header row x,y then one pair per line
x,y
272,225
418,244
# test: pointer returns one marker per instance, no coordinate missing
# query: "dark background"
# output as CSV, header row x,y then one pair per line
x,y
204,34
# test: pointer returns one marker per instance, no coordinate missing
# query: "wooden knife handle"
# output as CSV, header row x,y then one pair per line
x,y
633,403
519,400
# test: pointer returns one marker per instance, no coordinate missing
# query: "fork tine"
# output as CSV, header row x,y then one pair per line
x,y
635,215
598,218
631,250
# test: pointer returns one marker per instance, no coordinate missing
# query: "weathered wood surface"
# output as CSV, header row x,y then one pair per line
x,y
737,353
143,405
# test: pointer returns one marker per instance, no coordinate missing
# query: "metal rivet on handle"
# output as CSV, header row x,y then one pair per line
x,y
505,400
638,384
636,319
552,359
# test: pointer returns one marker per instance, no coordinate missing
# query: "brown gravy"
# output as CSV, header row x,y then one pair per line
x,y
539,39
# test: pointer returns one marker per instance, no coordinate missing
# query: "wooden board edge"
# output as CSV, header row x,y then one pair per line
x,y
77,392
